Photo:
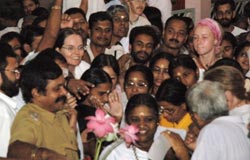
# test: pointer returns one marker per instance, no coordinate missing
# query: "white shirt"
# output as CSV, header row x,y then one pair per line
x,y
93,6
237,31
80,69
223,139
243,112
8,110
121,152
142,21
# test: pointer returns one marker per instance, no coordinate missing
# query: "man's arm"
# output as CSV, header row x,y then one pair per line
x,y
28,151
52,27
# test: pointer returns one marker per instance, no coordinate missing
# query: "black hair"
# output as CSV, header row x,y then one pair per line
x,y
161,55
228,36
75,10
148,30
29,33
227,62
99,16
182,60
178,18
142,99
147,74
172,91
222,2
36,74
103,60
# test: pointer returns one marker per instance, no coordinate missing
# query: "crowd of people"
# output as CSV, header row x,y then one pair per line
x,y
184,82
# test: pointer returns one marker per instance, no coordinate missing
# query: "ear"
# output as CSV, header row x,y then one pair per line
x,y
229,97
234,14
57,49
1,80
35,93
130,48
89,32
184,106
27,48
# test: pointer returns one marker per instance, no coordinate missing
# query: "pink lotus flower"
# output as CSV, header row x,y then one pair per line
x,y
100,124
129,134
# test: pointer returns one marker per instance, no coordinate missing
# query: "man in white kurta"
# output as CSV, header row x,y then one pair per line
x,y
223,139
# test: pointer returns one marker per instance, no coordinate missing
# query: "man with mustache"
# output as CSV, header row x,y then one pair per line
x,y
9,75
142,42
45,128
174,37
225,13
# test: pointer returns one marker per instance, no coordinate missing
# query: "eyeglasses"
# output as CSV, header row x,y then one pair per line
x,y
73,49
140,85
137,1
166,110
15,71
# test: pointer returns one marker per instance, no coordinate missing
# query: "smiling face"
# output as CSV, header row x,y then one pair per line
x,y
145,119
73,49
243,59
204,40
160,71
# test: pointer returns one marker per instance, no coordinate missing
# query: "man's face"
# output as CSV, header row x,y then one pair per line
x,y
29,6
54,98
175,34
142,48
101,33
9,78
121,24
224,15
80,24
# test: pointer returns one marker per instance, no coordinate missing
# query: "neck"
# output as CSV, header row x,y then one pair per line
x,y
144,146
114,40
228,29
172,51
133,18
207,59
96,50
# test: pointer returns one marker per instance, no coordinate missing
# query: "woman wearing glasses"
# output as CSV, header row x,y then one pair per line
x,y
70,44
174,111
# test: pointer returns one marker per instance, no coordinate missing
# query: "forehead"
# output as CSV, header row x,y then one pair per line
x,y
120,14
55,82
26,2
77,16
104,23
11,61
144,38
73,37
102,87
139,109
224,7
136,75
161,61
200,29
177,24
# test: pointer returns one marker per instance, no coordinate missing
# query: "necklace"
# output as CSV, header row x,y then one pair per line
x,y
134,150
